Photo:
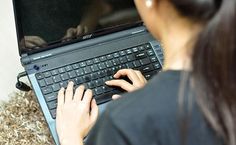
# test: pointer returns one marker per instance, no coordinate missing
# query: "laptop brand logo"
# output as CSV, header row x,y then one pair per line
x,y
87,36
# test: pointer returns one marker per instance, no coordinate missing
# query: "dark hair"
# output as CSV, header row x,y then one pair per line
x,y
214,62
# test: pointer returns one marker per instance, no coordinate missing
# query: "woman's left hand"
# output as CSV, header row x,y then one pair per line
x,y
76,114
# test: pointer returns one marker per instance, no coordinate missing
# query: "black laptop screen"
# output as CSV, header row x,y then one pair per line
x,y
44,24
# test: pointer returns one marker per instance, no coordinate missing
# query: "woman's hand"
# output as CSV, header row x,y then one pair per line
x,y
33,41
137,81
75,32
76,114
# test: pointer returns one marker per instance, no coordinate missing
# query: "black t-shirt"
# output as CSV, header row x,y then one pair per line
x,y
150,116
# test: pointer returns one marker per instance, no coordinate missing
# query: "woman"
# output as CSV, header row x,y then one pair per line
x,y
191,102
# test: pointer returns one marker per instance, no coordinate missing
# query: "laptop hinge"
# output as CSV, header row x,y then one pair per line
x,y
25,59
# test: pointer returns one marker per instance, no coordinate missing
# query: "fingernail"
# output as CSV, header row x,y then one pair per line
x,y
107,82
114,97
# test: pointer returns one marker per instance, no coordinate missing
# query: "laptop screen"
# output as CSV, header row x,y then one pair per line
x,y
44,24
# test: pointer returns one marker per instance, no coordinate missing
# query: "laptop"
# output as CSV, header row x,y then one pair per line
x,y
82,41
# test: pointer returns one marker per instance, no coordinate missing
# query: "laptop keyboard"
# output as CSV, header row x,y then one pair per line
x,y
93,73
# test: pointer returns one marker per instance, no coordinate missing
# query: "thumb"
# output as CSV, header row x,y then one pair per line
x,y
94,112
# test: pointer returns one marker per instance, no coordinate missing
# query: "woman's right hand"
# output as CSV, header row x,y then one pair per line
x,y
137,81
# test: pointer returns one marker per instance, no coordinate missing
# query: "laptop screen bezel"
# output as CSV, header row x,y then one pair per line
x,y
20,36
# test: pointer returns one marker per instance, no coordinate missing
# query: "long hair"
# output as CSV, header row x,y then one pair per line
x,y
214,62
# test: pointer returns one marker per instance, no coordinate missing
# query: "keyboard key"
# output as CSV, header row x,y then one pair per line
x,y
141,48
91,85
145,61
150,52
140,55
69,68
116,55
157,66
135,49
54,72
72,74
103,58
79,72
75,66
42,83
39,76
147,68
109,64
115,61
82,64
149,75
104,98
123,60
130,57
122,53
64,84
107,89
98,91
109,56
153,59
101,66
56,87
136,64
47,90
47,74
96,60
87,70
51,97
49,81
79,81
62,70
52,104
94,76
64,76
89,62
129,51
56,78
99,82
130,65
147,46
87,78
94,68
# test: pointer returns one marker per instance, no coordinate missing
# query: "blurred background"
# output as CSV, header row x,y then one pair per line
x,y
9,59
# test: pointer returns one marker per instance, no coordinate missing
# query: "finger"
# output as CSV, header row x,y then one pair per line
x,y
79,93
29,44
94,111
60,99
69,92
80,30
141,77
37,40
87,97
129,73
122,84
115,97
70,33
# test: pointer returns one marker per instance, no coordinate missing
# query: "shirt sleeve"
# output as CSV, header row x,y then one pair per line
x,y
105,132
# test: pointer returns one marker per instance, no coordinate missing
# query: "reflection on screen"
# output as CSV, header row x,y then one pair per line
x,y
45,22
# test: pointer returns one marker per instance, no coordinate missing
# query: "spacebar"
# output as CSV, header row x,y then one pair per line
x,y
106,96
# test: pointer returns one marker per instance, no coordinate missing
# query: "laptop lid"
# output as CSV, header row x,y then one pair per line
x,y
48,24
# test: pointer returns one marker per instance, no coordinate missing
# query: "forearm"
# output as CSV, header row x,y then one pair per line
x,y
72,142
